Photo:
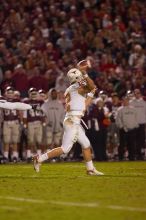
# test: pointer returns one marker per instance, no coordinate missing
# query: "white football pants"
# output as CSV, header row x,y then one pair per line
x,y
74,132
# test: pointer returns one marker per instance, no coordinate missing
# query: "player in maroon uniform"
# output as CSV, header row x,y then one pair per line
x,y
11,127
113,131
42,96
97,119
33,120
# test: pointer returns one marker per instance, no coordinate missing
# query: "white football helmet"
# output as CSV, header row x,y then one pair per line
x,y
32,92
74,75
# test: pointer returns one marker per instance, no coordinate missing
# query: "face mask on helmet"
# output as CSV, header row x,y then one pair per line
x,y
74,75
9,93
33,94
42,94
102,94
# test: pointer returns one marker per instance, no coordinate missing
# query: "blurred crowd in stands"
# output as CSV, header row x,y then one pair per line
x,y
41,40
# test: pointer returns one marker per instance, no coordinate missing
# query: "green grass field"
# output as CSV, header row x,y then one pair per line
x,y
63,191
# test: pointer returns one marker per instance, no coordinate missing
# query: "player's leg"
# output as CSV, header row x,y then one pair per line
x,y
6,140
57,138
31,140
69,137
87,154
15,140
49,138
38,137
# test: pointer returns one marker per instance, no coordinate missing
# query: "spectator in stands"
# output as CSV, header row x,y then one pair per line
x,y
137,58
64,42
7,80
20,80
61,83
38,81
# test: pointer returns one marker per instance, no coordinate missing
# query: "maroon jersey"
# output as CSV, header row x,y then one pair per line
x,y
113,111
36,113
95,117
11,115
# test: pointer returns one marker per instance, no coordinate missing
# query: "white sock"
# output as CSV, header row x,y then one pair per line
x,y
6,154
15,154
89,165
43,157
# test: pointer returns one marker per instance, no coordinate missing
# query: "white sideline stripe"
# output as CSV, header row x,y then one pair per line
x,y
126,208
75,204
115,207
11,208
23,199
79,204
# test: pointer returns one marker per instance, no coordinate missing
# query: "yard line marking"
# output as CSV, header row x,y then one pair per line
x,y
11,208
75,204
80,204
126,208
23,199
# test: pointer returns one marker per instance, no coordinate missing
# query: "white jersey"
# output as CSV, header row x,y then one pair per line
x,y
76,101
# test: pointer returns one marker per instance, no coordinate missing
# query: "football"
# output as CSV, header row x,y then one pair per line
x,y
84,65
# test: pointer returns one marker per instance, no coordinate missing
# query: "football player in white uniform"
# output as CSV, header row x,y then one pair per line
x,y
4,104
78,96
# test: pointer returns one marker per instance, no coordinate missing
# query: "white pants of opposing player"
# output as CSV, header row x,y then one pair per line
x,y
73,132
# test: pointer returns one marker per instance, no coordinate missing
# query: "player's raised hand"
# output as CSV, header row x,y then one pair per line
x,y
84,65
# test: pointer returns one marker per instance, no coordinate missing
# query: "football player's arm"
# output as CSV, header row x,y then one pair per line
x,y
67,101
88,86
89,99
89,83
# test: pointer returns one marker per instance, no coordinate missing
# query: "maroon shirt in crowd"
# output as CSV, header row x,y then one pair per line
x,y
38,82
20,81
